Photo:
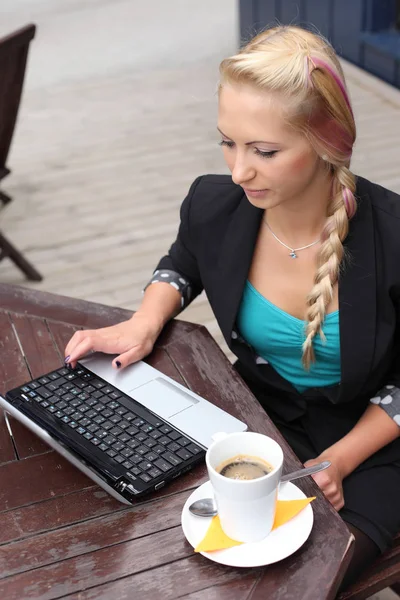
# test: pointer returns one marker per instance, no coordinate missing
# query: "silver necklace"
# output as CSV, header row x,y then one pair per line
x,y
293,251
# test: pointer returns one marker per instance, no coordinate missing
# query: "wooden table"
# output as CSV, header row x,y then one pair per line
x,y
63,537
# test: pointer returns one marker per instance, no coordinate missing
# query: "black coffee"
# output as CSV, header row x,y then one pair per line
x,y
244,467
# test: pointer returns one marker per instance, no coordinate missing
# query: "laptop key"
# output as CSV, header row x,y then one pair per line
x,y
110,440
73,424
147,428
127,452
123,424
158,449
150,442
124,437
93,428
135,471
88,435
127,465
103,446
175,460
132,430
142,450
133,444
154,472
113,405
165,429
116,431
44,380
174,435
111,453
91,414
44,393
107,413
164,440
119,458
95,441
99,419
115,418
108,425
184,454
121,410
129,416
98,384
146,478
140,437
69,411
163,465
155,435
144,465
174,447
194,449
151,456
118,446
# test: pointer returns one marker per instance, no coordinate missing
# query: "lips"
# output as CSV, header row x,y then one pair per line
x,y
255,193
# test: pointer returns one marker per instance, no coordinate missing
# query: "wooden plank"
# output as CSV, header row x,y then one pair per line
x,y
57,512
75,507
37,478
115,528
98,567
61,334
13,371
236,588
173,580
41,356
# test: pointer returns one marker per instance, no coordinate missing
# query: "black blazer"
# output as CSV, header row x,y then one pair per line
x,y
214,248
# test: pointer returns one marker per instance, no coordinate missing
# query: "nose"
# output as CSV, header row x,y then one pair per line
x,y
242,170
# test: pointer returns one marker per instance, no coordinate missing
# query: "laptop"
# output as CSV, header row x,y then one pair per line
x,y
130,431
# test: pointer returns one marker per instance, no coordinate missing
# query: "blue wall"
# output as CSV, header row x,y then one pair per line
x,y
362,31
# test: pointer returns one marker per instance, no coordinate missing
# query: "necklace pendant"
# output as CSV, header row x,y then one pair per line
x,y
293,254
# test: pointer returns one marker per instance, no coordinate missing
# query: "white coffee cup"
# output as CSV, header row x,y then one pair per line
x,y
246,508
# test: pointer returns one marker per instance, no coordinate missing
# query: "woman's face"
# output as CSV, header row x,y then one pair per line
x,y
273,163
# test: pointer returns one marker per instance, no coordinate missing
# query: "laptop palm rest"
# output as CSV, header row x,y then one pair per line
x,y
163,397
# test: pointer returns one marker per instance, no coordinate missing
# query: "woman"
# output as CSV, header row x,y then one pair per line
x,y
299,260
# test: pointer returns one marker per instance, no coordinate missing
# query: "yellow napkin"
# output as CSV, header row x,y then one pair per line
x,y
215,538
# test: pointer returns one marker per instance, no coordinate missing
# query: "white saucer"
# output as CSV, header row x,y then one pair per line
x,y
279,544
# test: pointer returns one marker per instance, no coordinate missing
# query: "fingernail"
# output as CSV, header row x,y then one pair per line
x,y
66,359
118,364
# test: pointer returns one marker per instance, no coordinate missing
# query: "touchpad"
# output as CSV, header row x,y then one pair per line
x,y
163,397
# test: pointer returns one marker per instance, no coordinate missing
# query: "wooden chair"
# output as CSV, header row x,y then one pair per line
x,y
13,56
385,572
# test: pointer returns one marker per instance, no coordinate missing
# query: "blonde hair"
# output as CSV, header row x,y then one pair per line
x,y
303,68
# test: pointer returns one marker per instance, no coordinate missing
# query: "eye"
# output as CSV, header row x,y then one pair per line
x,y
266,154
226,143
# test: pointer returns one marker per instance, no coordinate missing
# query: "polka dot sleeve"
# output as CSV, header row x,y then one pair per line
x,y
177,281
388,398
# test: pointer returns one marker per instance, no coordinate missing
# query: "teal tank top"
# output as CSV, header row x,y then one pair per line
x,y
278,337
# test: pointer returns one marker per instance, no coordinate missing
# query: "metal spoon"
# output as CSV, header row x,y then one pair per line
x,y
206,507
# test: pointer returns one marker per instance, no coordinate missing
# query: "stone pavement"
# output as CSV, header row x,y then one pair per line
x,y
117,119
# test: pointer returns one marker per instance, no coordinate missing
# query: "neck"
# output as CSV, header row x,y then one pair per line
x,y
300,221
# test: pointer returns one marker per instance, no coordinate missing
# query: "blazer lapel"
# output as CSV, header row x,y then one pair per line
x,y
357,301
234,263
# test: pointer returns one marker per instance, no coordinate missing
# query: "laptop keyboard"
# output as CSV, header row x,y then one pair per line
x,y
146,446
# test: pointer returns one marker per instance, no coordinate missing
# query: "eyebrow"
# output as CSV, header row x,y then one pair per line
x,y
249,143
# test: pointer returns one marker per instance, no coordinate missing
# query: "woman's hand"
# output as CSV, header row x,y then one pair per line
x,y
131,340
329,480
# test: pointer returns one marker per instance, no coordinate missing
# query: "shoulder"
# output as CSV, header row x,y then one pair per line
x,y
211,196
385,203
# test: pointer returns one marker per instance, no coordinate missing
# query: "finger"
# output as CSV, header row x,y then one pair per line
x,y
73,342
131,356
81,349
